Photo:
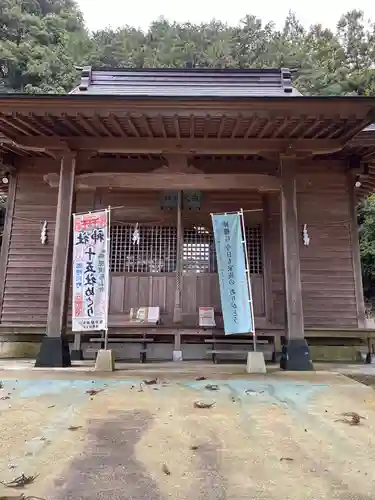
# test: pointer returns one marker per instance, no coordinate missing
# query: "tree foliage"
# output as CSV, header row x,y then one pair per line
x,y
41,42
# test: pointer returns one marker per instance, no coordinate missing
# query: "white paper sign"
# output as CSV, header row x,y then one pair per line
x,y
90,271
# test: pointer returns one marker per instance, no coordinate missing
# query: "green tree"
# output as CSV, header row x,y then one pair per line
x,y
366,219
40,43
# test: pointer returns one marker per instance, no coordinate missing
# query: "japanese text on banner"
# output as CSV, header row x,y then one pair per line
x,y
234,290
90,271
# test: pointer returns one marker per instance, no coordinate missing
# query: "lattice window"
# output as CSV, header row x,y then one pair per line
x,y
199,256
157,250
155,253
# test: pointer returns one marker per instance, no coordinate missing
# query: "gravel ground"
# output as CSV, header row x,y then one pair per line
x,y
270,437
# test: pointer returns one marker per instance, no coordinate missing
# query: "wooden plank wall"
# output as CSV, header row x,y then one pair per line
x,y
29,263
327,275
198,290
28,274
275,256
326,264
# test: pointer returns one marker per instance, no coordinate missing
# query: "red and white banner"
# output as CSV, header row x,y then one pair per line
x,y
90,271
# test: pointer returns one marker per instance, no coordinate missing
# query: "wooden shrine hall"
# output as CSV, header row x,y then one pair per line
x,y
166,148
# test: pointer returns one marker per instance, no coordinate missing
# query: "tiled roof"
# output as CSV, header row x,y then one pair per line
x,y
186,82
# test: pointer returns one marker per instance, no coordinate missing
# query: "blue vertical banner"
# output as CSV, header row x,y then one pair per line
x,y
234,290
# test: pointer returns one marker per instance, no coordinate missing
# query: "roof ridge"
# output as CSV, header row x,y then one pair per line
x,y
166,82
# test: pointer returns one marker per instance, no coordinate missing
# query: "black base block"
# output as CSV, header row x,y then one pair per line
x,y
295,356
76,355
54,353
368,358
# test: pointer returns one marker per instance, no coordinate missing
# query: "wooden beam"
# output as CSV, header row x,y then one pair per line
x,y
61,246
167,181
177,310
297,357
7,233
54,351
220,165
290,236
262,106
267,269
356,256
143,145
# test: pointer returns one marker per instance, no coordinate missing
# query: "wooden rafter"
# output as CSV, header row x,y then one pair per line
x,y
162,126
221,127
147,126
114,121
253,123
85,123
72,126
101,126
35,129
132,127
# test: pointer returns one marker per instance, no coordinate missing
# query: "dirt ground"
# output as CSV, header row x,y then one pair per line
x,y
266,437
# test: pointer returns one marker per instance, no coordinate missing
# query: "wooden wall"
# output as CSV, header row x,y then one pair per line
x,y
29,262
198,290
274,255
326,264
28,273
327,275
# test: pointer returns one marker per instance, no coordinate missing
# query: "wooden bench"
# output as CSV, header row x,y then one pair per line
x,y
214,351
141,318
143,339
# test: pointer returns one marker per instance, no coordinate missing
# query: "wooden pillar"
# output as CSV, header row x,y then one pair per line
x,y
55,349
295,353
177,300
356,256
267,262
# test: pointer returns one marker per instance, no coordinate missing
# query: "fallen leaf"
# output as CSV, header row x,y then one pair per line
x,y
194,447
200,378
19,482
351,418
151,382
286,459
93,392
250,392
74,427
212,387
201,404
166,471
4,398
52,406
